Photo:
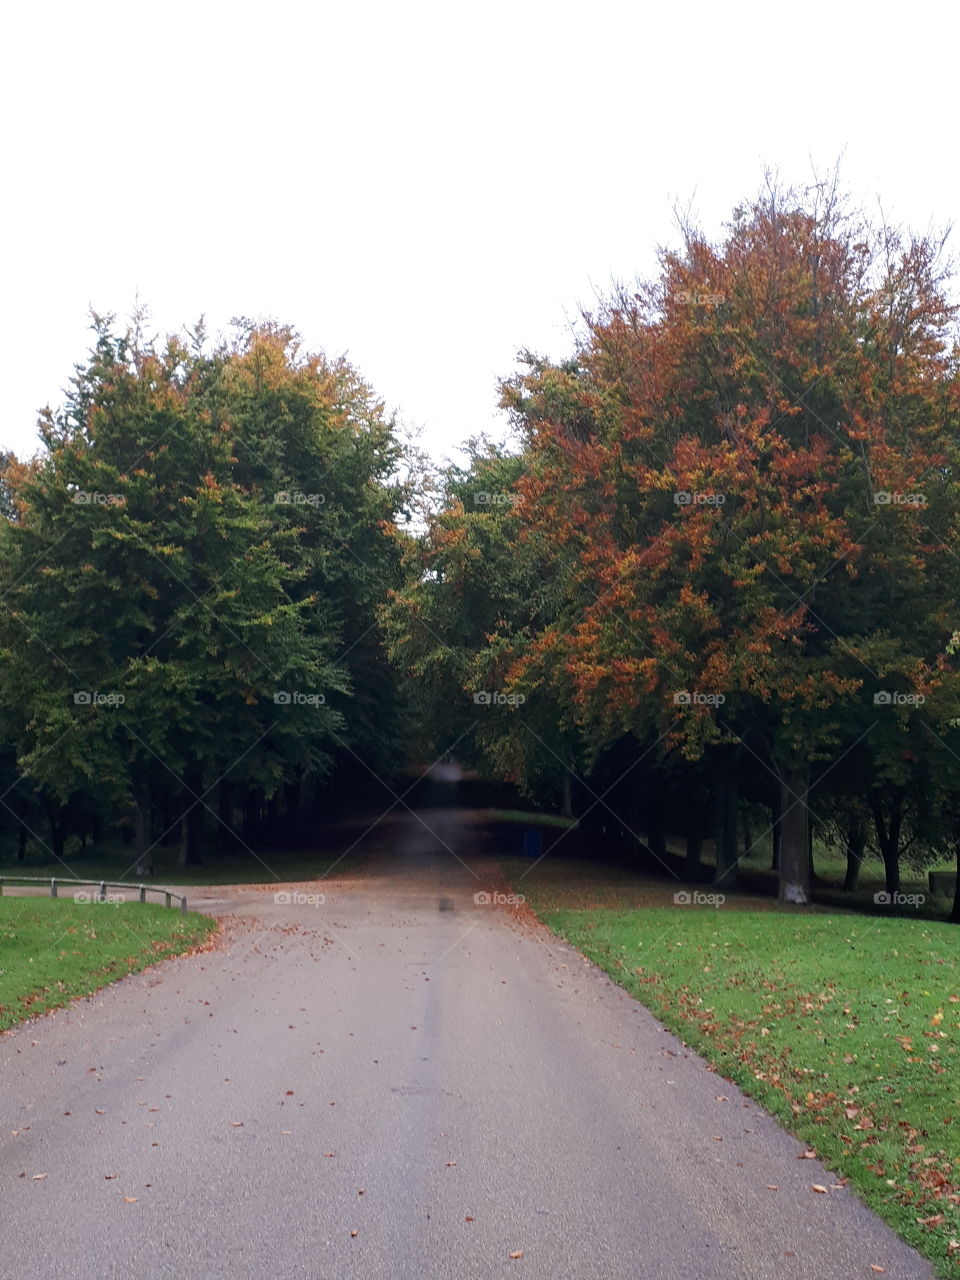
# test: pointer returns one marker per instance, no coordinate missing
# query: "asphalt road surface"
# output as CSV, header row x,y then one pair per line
x,y
397,1082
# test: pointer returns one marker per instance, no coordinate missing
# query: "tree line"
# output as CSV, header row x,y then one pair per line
x,y
709,589
190,573
717,579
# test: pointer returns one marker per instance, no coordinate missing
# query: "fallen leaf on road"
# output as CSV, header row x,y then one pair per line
x,y
819,1190
807,1155
328,1154
108,1176
237,1124
129,1199
469,1219
286,1131
361,1191
874,1267
517,1254
353,1233
451,1164
100,1113
772,1187
38,1177
722,1098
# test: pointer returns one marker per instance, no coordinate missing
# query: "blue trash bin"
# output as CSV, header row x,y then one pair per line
x,y
532,843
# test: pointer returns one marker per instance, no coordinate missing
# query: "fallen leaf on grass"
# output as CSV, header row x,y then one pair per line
x,y
934,1220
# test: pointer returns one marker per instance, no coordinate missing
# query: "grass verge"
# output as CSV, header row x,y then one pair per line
x,y
53,950
846,1028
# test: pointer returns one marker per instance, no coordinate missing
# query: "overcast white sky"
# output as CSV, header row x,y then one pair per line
x,y
424,187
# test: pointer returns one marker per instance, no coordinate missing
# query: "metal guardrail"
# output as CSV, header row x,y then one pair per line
x,y
102,887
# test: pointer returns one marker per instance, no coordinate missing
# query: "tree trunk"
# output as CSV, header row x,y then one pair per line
x,y
226,838
273,817
58,831
776,811
795,837
888,838
729,807
141,825
566,805
293,803
252,814
656,824
955,913
695,831
856,842
191,824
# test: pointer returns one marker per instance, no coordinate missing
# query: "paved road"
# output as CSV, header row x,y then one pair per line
x,y
397,1083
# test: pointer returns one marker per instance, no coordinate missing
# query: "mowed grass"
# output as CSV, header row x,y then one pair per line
x,y
845,1027
52,950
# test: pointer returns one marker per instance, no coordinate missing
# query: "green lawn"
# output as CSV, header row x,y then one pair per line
x,y
54,949
845,1027
528,818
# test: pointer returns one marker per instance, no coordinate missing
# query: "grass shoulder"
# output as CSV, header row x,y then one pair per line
x,y
53,950
844,1026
